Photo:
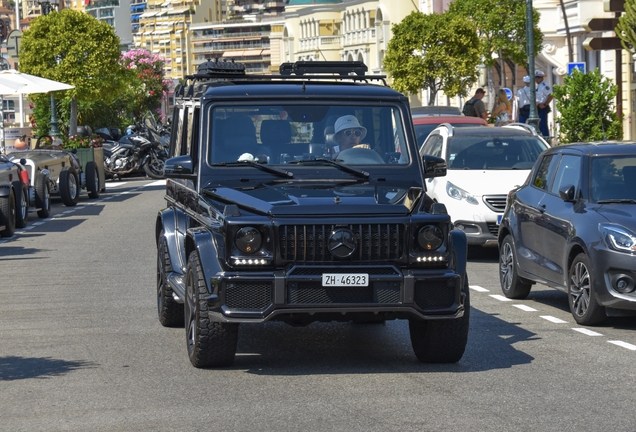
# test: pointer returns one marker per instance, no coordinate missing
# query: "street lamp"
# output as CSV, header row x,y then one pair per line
x,y
4,65
533,119
46,6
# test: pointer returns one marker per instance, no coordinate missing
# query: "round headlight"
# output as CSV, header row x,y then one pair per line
x,y
248,240
430,237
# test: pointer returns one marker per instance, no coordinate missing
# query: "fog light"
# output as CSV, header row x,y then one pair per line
x,y
623,283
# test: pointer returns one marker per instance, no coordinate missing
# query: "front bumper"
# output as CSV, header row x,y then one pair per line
x,y
609,267
479,233
392,292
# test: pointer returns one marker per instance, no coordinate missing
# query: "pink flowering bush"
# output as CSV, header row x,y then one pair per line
x,y
147,83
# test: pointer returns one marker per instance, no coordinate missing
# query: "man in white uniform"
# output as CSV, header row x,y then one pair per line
x,y
523,100
544,97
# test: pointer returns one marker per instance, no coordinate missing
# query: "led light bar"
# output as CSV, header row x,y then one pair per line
x,y
249,261
428,259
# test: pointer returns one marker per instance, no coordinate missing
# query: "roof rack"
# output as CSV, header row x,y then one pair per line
x,y
300,70
343,68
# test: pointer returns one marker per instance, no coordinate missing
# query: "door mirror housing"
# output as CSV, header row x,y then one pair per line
x,y
566,192
433,166
179,167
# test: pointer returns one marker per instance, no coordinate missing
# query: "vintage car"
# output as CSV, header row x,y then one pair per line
x,y
56,171
14,196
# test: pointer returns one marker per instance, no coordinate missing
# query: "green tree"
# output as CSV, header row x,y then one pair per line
x,y
585,104
434,52
501,26
75,48
626,28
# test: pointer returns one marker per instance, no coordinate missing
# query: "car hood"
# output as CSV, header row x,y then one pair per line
x,y
486,182
290,199
622,214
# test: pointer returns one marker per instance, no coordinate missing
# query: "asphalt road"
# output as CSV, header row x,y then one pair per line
x,y
81,349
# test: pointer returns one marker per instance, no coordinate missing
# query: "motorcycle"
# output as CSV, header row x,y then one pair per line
x,y
143,149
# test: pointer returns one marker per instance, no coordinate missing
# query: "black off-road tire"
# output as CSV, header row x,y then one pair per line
x,y
583,305
69,186
42,195
210,344
7,214
92,180
442,341
21,193
170,312
513,286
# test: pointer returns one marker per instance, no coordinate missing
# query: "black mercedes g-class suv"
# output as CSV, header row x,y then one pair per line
x,y
299,197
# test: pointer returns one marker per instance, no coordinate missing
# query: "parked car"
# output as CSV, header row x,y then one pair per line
x,y
14,196
425,123
55,171
484,164
435,110
571,226
263,224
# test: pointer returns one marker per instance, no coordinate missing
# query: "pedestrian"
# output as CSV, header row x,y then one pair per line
x,y
475,107
502,111
544,97
523,100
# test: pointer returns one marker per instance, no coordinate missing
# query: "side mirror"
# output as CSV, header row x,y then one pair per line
x,y
566,192
179,167
433,166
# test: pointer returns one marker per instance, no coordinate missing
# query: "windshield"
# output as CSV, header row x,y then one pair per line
x,y
280,135
613,178
484,152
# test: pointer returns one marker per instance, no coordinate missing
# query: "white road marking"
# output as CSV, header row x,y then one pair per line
x,y
500,297
114,185
586,331
157,183
624,345
478,288
553,319
525,308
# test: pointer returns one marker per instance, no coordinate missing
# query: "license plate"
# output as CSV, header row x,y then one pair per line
x,y
499,218
345,279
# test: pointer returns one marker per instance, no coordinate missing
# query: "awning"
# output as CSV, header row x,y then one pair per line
x,y
251,53
266,52
177,11
137,7
232,54
135,16
148,14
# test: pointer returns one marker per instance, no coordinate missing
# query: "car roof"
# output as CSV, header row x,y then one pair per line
x,y
452,119
487,131
435,110
615,147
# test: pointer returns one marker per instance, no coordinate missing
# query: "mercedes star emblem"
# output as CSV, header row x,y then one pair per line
x,y
342,243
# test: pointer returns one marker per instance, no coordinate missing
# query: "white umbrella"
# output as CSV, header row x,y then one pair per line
x,y
7,88
29,83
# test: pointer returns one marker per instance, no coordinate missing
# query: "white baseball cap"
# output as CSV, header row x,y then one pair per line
x,y
349,122
539,73
526,79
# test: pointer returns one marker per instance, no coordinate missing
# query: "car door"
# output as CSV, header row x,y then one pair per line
x,y
527,217
556,226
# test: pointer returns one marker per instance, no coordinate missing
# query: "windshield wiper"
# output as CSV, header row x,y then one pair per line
x,y
279,172
324,161
618,201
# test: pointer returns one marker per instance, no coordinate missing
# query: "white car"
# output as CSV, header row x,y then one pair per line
x,y
484,164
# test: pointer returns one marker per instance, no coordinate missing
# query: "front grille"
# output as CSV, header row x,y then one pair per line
x,y
309,243
313,293
248,295
435,294
493,228
496,203
318,271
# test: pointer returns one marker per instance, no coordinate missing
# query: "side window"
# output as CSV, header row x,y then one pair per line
x,y
568,173
194,128
190,133
432,146
176,146
545,173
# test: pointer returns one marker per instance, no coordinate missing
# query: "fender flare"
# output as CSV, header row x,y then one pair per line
x,y
202,240
460,244
5,190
